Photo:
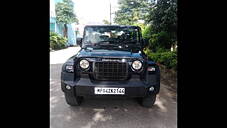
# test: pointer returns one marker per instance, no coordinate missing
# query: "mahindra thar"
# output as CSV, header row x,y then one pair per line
x,y
111,62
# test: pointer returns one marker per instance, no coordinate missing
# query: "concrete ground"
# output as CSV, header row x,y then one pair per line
x,y
106,112
60,56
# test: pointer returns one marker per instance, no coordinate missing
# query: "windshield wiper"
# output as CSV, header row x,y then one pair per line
x,y
102,43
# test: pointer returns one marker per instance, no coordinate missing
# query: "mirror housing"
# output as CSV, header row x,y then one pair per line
x,y
79,41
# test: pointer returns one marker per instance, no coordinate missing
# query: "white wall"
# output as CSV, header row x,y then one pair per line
x,y
52,8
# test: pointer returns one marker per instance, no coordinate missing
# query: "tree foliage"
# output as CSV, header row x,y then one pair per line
x,y
160,18
65,14
160,26
132,11
164,18
160,40
106,22
147,32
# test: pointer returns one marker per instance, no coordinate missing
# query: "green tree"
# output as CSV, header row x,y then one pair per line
x,y
106,21
160,18
164,18
65,14
160,41
132,11
147,32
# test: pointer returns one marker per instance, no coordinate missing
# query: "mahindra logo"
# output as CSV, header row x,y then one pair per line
x,y
115,60
110,60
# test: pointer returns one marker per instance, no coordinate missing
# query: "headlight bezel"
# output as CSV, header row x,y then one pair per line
x,y
137,69
85,68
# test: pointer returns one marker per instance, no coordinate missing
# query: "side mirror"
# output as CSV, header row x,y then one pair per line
x,y
145,42
79,41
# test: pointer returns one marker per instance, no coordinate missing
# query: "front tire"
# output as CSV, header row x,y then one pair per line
x,y
149,100
73,100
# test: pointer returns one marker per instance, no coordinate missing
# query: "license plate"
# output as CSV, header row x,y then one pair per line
x,y
115,91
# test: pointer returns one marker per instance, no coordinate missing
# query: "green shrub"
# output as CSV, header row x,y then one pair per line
x,y
160,50
168,58
141,25
147,32
57,41
160,40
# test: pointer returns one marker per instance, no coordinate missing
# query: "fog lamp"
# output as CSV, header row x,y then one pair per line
x,y
68,87
151,89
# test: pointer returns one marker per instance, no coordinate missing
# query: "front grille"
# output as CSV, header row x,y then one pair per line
x,y
110,71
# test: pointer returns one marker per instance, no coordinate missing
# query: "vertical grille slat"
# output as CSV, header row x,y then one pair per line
x,y
110,71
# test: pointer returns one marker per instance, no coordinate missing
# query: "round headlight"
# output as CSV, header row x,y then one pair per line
x,y
137,65
84,64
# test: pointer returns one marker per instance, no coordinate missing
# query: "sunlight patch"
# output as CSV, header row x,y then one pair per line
x,y
97,117
160,104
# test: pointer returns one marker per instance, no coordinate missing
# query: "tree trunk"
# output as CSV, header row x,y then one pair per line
x,y
65,31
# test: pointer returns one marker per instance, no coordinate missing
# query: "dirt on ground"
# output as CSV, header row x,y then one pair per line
x,y
169,79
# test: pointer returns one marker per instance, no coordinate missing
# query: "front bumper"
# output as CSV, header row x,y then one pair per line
x,y
85,87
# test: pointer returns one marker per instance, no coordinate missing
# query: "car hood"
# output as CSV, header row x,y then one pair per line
x,y
108,53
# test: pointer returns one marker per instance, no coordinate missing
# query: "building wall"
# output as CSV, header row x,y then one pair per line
x,y
58,28
71,34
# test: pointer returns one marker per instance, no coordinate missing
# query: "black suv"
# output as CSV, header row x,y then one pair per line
x,y
111,62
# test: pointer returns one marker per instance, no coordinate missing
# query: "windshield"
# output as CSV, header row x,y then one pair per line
x,y
111,35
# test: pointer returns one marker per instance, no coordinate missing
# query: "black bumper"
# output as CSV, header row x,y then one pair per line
x,y
84,87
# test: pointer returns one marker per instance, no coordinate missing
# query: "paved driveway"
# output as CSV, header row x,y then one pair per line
x,y
60,56
107,113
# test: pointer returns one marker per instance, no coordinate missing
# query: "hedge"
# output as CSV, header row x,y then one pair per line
x,y
168,58
57,41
